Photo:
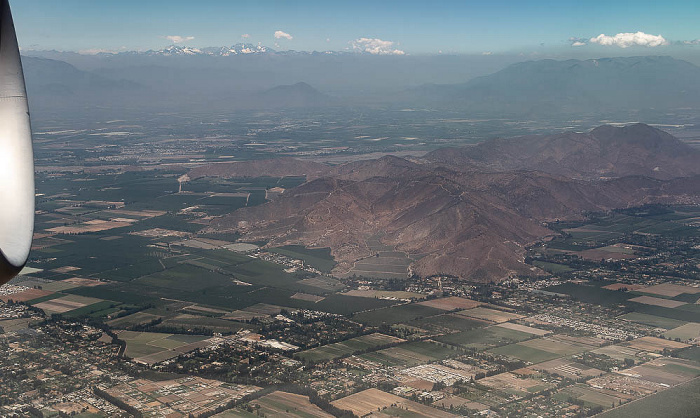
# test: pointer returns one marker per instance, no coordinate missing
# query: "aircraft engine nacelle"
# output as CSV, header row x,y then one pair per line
x,y
16,155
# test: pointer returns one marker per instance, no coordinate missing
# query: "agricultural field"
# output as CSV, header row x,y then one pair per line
x,y
385,294
590,396
323,283
488,314
186,322
27,295
619,352
513,384
396,314
133,319
624,286
448,323
547,348
387,264
154,347
525,353
348,347
670,290
278,403
567,368
650,300
654,321
372,400
653,344
410,354
667,371
678,402
687,333
66,303
524,328
482,338
451,303
553,268
591,294
690,353
319,258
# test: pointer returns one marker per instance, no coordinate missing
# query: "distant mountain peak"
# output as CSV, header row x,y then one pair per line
x,y
604,152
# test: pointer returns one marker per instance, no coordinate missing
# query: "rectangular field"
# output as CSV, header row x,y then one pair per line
x,y
448,323
154,347
485,337
396,314
543,349
372,400
344,348
26,295
589,396
524,328
689,332
386,294
677,402
652,320
567,368
512,384
66,303
654,344
409,355
650,300
670,290
488,314
451,303
279,404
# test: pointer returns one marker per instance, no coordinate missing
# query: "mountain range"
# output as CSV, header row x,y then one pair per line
x,y
574,86
605,152
469,216
237,77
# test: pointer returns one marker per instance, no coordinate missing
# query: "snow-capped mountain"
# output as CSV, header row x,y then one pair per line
x,y
237,49
226,51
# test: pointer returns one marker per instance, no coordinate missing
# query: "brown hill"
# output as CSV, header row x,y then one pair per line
x,y
473,225
604,152
277,167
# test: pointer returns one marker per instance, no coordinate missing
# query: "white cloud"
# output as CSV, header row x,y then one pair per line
x,y
578,43
486,53
376,46
693,42
625,40
279,35
176,39
245,36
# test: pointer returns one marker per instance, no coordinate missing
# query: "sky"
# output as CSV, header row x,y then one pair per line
x,y
381,27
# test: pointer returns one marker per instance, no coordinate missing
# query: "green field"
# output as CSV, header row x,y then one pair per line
x,y
677,402
552,267
654,321
587,395
319,258
689,331
529,354
140,344
690,353
396,314
344,348
591,294
485,337
448,322
410,354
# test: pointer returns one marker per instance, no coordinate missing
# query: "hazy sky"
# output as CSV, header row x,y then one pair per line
x,y
412,27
